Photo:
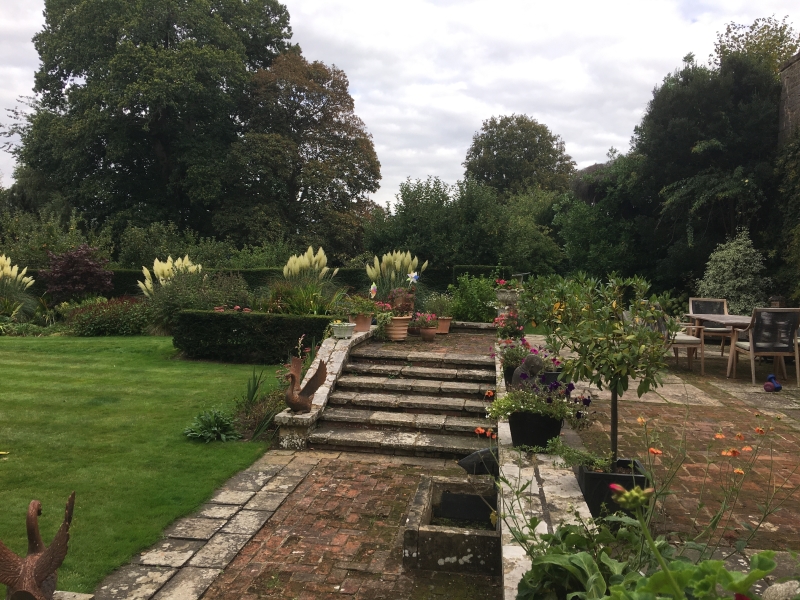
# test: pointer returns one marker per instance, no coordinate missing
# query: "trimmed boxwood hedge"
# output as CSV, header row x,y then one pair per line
x,y
236,337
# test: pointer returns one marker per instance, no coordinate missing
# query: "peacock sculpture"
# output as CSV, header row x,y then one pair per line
x,y
300,400
34,577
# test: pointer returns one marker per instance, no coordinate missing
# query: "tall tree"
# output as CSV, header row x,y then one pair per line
x,y
304,159
513,153
765,39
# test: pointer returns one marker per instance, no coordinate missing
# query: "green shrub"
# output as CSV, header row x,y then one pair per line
x,y
735,271
212,425
118,316
473,299
198,291
241,337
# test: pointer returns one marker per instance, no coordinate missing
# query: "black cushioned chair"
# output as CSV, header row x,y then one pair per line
x,y
772,332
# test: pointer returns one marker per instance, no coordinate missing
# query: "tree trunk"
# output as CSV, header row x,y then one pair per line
x,y
614,421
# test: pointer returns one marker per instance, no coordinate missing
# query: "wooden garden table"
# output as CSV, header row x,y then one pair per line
x,y
733,321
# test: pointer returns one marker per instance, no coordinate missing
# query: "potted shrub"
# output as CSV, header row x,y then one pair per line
x,y
513,352
442,306
509,325
611,340
427,323
537,411
360,311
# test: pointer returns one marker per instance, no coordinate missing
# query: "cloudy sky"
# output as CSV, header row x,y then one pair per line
x,y
426,73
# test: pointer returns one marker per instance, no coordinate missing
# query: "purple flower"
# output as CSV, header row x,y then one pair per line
x,y
554,385
570,387
587,401
579,415
523,376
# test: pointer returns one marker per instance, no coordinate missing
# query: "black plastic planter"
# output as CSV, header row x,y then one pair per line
x,y
595,488
532,429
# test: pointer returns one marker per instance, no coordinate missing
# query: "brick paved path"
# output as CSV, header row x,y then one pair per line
x,y
340,532
700,408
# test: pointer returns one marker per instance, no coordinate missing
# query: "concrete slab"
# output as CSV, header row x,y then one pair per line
x,y
392,419
430,421
194,528
266,501
283,484
400,441
190,583
169,553
247,481
376,400
224,496
133,582
220,550
217,511
71,596
247,522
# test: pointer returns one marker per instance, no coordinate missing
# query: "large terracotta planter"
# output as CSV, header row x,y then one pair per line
x,y
363,322
444,325
428,333
532,429
397,330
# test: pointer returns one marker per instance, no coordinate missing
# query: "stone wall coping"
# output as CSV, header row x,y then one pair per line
x,y
335,353
553,495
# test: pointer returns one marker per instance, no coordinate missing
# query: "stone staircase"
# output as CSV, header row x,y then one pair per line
x,y
392,401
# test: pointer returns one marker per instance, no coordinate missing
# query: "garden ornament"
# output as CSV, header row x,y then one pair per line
x,y
530,368
772,384
300,400
35,576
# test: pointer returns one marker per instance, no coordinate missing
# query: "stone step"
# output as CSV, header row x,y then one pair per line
x,y
387,420
400,402
413,386
410,372
333,437
376,353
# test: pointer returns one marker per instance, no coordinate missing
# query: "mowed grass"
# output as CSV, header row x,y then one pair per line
x,y
105,417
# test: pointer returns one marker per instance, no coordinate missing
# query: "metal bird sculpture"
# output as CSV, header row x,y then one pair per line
x,y
300,400
35,576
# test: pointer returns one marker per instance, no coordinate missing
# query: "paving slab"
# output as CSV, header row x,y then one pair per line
x,y
283,483
220,550
349,415
247,481
169,553
247,522
429,373
374,400
217,511
133,582
188,584
194,528
431,403
392,419
266,501
225,496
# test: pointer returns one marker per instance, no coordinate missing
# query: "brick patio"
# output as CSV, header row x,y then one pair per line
x,y
340,533
700,408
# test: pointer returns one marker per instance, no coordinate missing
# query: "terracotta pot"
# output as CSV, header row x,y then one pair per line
x,y
397,330
413,331
444,325
363,322
428,333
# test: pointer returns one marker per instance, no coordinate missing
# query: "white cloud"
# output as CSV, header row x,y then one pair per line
x,y
426,73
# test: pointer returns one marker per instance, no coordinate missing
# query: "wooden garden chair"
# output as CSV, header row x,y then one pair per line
x,y
713,306
772,332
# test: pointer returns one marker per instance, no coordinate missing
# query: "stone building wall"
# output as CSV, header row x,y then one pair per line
x,y
789,119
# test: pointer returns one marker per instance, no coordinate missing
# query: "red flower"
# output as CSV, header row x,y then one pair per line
x,y
759,431
617,488
719,436
480,430
740,436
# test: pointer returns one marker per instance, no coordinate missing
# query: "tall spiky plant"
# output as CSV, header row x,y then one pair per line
x,y
308,265
165,272
393,270
15,300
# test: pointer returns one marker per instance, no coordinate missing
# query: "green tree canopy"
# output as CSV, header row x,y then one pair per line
x,y
513,153
767,39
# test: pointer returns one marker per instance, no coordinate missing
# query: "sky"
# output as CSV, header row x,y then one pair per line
x,y
425,74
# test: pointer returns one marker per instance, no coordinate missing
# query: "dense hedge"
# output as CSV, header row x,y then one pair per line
x,y
481,271
237,337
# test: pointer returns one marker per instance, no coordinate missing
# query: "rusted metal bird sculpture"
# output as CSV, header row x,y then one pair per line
x,y
35,576
300,400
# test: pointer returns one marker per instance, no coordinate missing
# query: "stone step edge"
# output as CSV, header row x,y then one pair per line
x,y
453,358
427,386
426,373
405,401
447,425
375,441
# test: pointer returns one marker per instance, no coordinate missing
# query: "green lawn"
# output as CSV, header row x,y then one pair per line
x,y
105,417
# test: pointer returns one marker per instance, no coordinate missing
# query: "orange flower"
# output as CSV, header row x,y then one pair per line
x,y
641,421
738,471
480,430
759,430
740,436
747,449
655,451
494,436
730,452
719,436
489,394
489,432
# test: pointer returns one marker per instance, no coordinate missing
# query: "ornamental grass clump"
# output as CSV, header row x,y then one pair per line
x,y
394,270
16,303
165,272
308,265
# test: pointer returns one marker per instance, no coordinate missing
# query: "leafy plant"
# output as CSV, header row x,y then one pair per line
x,y
438,303
118,316
16,302
427,320
613,330
735,271
473,299
212,425
76,274
513,353
546,399
509,325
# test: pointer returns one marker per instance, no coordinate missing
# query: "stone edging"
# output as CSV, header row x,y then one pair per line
x,y
553,496
295,428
